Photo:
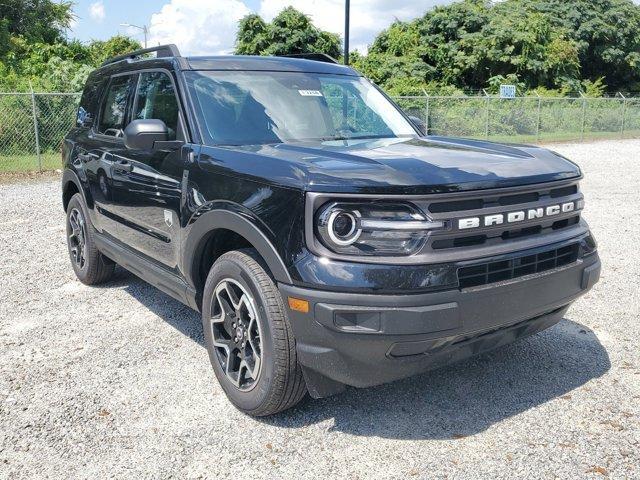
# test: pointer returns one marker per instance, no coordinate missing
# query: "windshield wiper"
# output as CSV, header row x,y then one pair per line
x,y
335,137
359,137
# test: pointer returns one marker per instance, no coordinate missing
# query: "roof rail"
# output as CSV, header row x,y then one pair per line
x,y
161,51
318,57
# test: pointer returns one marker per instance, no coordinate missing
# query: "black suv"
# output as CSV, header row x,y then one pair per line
x,y
325,240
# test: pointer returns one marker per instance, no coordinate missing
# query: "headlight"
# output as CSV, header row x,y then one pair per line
x,y
373,228
342,227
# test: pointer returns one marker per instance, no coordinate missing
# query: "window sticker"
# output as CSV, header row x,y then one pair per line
x,y
310,93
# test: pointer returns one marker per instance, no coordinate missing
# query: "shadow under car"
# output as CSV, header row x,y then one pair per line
x,y
458,400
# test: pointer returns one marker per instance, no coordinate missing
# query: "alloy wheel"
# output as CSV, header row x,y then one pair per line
x,y
236,334
77,237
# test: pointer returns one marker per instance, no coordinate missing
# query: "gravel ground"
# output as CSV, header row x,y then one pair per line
x,y
115,381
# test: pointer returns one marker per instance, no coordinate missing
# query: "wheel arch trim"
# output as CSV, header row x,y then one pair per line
x,y
69,176
227,220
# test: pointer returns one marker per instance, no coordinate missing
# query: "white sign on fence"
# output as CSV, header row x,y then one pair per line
x,y
507,91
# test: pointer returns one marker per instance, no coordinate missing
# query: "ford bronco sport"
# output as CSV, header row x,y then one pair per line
x,y
325,240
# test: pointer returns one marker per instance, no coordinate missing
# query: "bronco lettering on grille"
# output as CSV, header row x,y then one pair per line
x,y
515,217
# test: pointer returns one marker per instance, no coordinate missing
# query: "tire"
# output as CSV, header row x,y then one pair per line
x,y
271,380
90,266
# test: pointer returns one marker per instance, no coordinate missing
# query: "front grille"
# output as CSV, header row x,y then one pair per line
x,y
501,235
492,272
497,202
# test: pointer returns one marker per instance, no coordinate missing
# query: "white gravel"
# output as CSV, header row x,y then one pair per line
x,y
115,381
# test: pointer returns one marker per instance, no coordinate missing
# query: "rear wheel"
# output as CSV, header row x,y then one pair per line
x,y
248,336
90,266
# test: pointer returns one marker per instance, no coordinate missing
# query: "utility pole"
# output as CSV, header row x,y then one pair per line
x,y
346,32
144,29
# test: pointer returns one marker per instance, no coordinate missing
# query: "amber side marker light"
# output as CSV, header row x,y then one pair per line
x,y
298,305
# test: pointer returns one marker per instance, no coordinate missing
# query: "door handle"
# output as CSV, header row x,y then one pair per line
x,y
124,166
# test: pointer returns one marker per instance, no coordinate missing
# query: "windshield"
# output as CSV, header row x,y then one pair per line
x,y
248,108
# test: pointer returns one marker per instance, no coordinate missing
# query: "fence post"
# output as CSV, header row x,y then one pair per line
x,y
426,114
584,115
624,112
538,120
486,120
35,126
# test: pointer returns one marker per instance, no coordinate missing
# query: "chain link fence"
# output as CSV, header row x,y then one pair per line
x,y
32,125
526,119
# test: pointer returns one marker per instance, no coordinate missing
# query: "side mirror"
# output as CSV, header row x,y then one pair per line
x,y
143,134
419,124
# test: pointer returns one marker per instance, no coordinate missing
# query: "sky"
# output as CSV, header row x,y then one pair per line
x,y
201,27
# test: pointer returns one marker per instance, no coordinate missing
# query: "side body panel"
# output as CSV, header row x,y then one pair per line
x,y
268,215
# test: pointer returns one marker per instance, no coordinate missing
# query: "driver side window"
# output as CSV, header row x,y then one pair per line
x,y
114,106
156,99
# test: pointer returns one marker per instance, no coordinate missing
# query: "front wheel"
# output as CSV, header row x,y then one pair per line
x,y
248,336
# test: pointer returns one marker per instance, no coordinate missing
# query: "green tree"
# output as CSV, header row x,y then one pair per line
x,y
291,31
547,44
34,49
251,38
41,21
100,50
606,34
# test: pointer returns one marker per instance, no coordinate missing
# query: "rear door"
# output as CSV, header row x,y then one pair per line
x,y
145,193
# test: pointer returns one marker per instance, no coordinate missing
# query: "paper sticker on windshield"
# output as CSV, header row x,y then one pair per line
x,y
310,93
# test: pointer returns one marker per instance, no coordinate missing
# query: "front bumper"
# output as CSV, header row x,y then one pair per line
x,y
368,339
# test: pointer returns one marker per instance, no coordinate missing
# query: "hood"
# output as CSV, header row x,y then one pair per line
x,y
404,166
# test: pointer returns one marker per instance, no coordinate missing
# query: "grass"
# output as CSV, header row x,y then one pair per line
x,y
557,137
29,162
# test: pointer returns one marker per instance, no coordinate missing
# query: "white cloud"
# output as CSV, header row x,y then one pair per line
x,y
96,11
207,27
367,17
198,27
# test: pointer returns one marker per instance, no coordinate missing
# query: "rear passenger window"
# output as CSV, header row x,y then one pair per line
x,y
114,107
156,99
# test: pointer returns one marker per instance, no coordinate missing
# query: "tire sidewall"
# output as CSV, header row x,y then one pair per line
x,y
77,203
263,389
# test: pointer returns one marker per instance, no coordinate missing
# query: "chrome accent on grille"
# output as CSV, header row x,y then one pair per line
x,y
400,225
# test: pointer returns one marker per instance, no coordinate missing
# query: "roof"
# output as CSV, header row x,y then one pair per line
x,y
169,55
276,64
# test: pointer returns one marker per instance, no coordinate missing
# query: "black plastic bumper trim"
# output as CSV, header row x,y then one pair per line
x,y
366,339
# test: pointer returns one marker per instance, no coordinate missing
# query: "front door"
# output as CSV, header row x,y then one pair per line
x,y
144,187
